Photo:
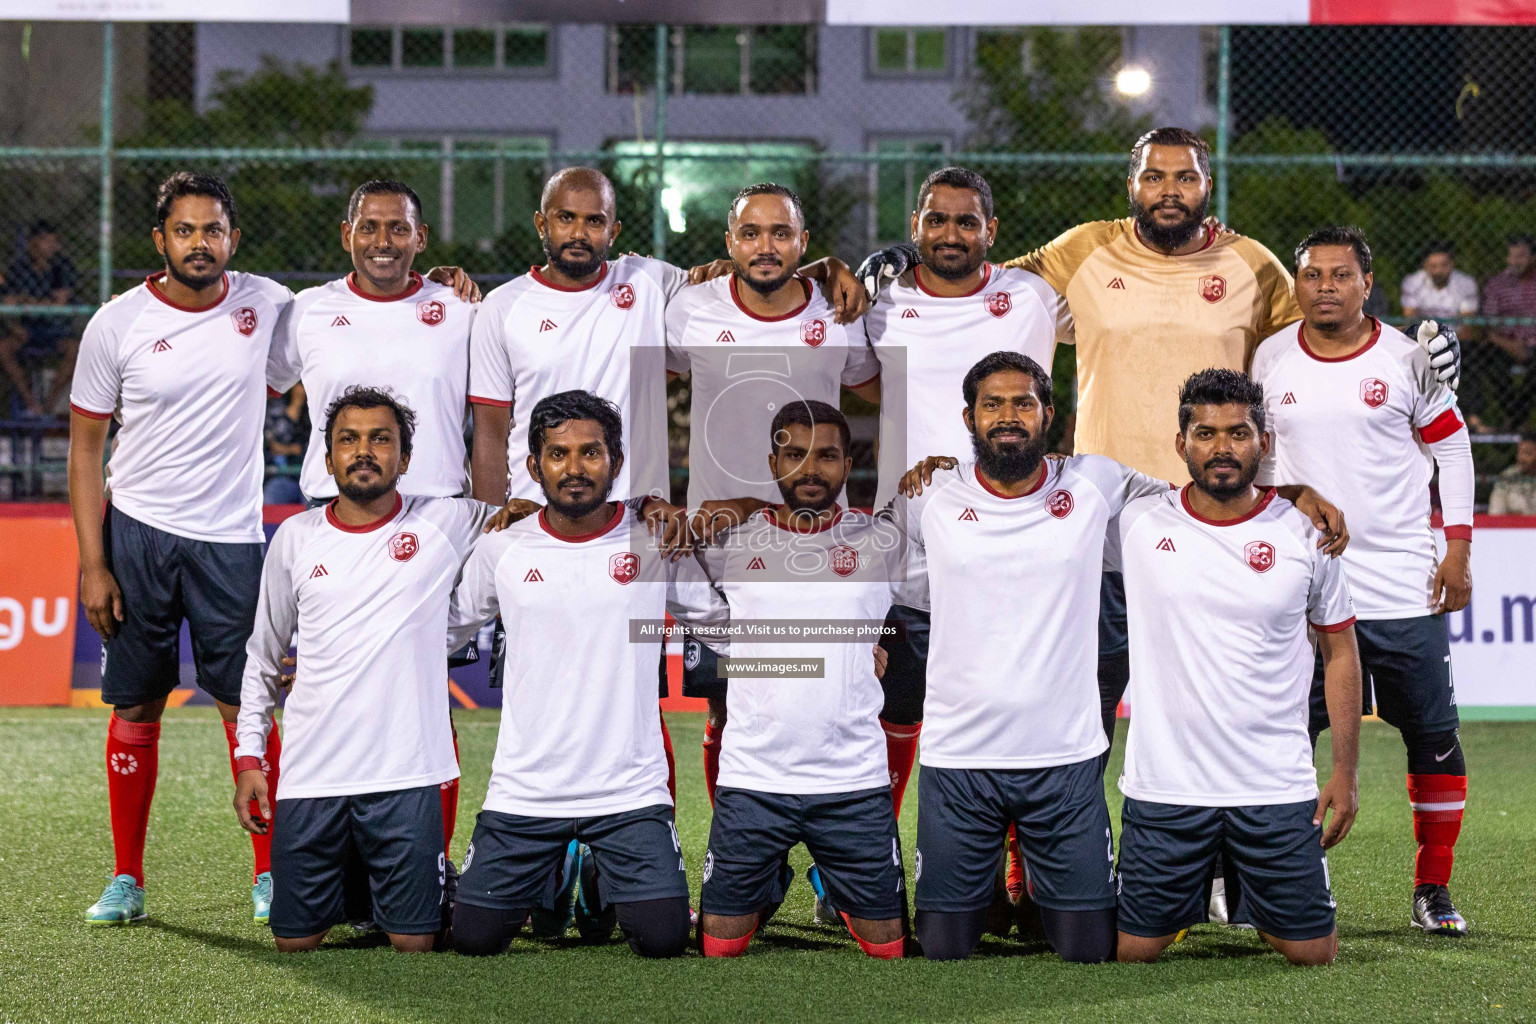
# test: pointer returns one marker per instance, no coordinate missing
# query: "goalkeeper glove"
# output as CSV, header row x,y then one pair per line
x,y
1443,348
881,268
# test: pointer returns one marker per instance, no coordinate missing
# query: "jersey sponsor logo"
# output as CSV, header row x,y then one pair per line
x,y
318,571
162,346
909,314
622,296
1373,392
1166,544
1117,284
546,325
533,576
968,516
999,303
1289,399
813,332
624,567
403,546
1260,555
1213,288
341,321
845,560
124,764
756,563
725,337
1059,503
431,312
244,320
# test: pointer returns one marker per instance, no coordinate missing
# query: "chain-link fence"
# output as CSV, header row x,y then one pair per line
x,y
1423,136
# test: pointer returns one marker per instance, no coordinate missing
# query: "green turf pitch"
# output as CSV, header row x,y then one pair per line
x,y
200,958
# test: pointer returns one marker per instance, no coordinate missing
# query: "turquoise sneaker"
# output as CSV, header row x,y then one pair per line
x,y
552,924
121,902
261,898
823,914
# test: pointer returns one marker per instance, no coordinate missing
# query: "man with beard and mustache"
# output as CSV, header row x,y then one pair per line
x,y
362,587
1223,580
805,761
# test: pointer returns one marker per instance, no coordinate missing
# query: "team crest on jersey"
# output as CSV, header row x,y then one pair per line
x,y
431,312
1116,284
1059,503
909,313
1166,544
318,571
622,296
1213,288
244,320
547,325
624,567
726,337
1289,399
341,321
845,560
968,516
999,303
402,546
1373,392
813,332
756,563
1260,555
162,346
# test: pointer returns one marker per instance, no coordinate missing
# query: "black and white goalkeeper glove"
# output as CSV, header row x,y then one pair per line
x,y
1443,348
881,268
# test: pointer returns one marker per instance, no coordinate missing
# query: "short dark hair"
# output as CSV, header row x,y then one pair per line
x,y
382,187
997,362
958,177
807,413
360,396
41,227
1520,238
1172,136
1338,235
1438,245
1220,386
576,405
769,188
192,183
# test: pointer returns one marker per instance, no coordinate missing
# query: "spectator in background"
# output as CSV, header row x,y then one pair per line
x,y
1512,292
1514,492
287,430
1438,290
42,276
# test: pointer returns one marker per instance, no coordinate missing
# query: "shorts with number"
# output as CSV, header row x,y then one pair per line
x,y
1271,857
1406,666
963,815
851,837
514,861
397,835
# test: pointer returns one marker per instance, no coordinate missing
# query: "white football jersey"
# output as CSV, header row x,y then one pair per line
x,y
1357,430
580,727
189,387
1013,655
533,339
802,735
1221,664
743,368
416,344
367,608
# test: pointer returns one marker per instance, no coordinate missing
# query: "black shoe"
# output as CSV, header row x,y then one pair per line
x,y
1434,912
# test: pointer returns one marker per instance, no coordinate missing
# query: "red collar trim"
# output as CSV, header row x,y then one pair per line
x,y
1301,336
1269,496
154,290
986,275
1210,240
1045,472
773,319
581,538
837,515
533,272
330,517
411,289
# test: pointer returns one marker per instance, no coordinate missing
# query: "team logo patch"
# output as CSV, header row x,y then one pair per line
x,y
756,563
622,296
968,516
1289,399
341,321
909,313
1166,544
547,325
1373,392
813,332
317,572
162,346
1213,288
533,576
624,567
845,560
402,546
1059,504
1260,555
244,320
726,337
693,653
1117,284
431,312
709,864
999,303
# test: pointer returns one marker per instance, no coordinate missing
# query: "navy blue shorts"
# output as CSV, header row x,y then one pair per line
x,y
851,836
398,837
963,816
1406,666
701,671
1271,857
905,682
1113,638
514,861
165,579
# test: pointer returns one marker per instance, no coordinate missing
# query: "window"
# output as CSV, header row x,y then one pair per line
x,y
493,48
894,184
720,60
910,51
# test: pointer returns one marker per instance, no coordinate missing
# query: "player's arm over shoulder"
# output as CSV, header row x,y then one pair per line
x,y
1058,260
1276,304
669,278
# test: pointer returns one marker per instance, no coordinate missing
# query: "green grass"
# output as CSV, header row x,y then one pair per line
x,y
200,958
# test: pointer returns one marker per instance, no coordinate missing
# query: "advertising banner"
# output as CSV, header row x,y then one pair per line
x,y
39,580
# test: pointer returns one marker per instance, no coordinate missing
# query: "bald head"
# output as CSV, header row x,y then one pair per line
x,y
577,179
576,224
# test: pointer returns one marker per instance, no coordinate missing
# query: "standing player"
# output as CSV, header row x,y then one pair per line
x,y
1222,579
181,361
805,762
1355,407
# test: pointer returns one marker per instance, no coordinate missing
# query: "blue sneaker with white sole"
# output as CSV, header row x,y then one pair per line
x,y
121,902
261,898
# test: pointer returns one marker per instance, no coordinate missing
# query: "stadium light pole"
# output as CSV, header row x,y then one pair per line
x,y
108,72
658,214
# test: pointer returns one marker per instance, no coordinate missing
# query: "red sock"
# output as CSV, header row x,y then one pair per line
x,y
1438,802
727,947
666,742
1015,880
711,759
892,950
261,845
900,755
449,791
133,761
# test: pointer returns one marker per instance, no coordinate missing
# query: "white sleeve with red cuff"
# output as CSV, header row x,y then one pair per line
x,y
1453,454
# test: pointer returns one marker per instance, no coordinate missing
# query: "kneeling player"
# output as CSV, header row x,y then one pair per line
x,y
1222,579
